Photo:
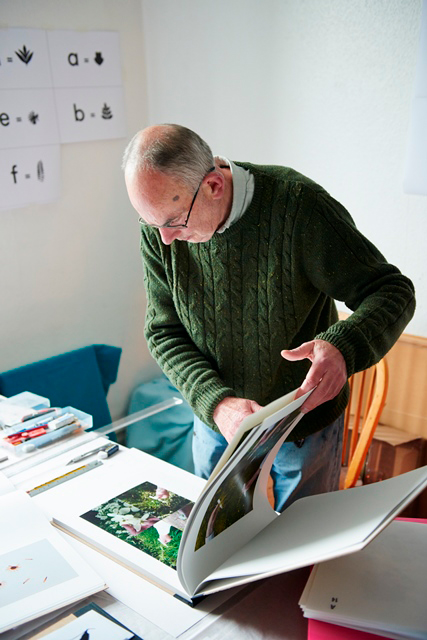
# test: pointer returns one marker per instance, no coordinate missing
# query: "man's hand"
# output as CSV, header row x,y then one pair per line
x,y
230,412
328,371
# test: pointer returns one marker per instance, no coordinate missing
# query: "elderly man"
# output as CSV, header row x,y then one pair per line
x,y
242,264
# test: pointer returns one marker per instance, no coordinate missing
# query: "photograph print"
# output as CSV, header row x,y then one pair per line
x,y
30,570
234,497
148,517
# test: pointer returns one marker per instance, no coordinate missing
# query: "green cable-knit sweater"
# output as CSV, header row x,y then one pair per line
x,y
220,312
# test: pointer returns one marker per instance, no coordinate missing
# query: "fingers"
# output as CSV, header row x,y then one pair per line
x,y
305,350
327,374
325,390
230,412
255,406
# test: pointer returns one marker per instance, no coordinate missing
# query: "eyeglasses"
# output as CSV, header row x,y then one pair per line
x,y
168,225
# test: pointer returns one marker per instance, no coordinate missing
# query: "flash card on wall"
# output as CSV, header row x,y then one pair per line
x,y
24,59
85,59
27,118
86,99
90,114
55,87
29,175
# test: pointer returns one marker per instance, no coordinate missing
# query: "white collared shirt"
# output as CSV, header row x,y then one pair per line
x,y
243,190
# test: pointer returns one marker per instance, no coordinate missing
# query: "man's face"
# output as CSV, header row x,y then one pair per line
x,y
161,200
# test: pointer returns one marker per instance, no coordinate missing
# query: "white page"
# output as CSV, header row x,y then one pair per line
x,y
325,526
235,506
382,587
103,484
39,571
147,599
238,493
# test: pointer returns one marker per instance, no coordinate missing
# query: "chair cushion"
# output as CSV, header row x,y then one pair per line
x,y
168,434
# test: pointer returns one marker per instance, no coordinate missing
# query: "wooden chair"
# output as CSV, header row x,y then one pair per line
x,y
368,392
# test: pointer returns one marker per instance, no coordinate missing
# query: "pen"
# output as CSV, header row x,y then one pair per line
x,y
49,437
106,449
38,412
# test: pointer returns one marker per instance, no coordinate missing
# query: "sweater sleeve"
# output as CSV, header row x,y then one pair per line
x,y
346,266
169,342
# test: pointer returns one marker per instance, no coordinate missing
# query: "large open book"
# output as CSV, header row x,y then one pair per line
x,y
194,537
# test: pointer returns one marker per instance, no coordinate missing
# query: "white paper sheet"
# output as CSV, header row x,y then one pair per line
x,y
29,175
321,527
382,587
70,500
39,571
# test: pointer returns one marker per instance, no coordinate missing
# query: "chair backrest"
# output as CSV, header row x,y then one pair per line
x,y
368,392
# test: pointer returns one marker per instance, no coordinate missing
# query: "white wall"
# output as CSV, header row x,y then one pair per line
x,y
70,270
324,86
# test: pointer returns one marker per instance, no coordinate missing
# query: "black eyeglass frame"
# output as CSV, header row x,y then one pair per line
x,y
168,225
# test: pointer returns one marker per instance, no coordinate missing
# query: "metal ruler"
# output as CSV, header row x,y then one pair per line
x,y
66,476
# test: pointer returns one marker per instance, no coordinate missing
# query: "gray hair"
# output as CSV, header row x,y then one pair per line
x,y
176,151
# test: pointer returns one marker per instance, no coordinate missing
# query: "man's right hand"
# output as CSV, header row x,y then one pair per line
x,y
230,412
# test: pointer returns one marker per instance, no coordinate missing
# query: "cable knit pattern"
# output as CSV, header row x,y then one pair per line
x,y
220,312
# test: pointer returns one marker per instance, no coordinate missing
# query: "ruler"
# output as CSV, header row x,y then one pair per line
x,y
66,476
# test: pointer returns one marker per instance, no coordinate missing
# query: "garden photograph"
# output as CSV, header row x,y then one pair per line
x,y
148,517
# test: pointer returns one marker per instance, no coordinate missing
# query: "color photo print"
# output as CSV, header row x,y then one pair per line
x,y
147,517
234,497
30,570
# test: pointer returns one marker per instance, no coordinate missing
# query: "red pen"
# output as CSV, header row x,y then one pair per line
x,y
17,438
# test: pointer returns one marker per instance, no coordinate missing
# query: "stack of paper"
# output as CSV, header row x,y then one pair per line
x,y
381,589
39,571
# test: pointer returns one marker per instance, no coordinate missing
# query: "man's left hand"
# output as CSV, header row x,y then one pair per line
x,y
328,371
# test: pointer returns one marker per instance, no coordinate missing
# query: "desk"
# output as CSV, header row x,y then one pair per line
x,y
264,610
267,610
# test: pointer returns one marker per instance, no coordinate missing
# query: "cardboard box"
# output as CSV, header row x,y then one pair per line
x,y
391,453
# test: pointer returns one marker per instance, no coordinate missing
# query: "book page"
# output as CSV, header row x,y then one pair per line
x,y
234,506
318,528
133,508
39,571
250,423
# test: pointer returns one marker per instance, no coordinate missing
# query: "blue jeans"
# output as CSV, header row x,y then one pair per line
x,y
300,469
